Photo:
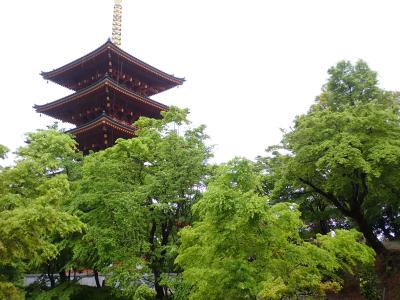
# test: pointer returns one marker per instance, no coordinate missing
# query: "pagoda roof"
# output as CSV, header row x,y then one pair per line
x,y
101,121
106,82
67,73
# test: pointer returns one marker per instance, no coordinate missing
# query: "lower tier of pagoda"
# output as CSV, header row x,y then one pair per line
x,y
101,133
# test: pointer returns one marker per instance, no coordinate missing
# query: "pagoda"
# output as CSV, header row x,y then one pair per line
x,y
111,91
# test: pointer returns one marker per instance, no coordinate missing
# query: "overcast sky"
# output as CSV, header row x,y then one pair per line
x,y
251,66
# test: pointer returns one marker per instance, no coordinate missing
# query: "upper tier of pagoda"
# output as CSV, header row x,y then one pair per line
x,y
110,60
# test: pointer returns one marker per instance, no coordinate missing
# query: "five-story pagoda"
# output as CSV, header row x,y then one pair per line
x,y
112,90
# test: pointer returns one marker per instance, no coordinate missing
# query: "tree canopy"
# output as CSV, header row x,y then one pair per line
x,y
146,186
345,152
159,221
31,194
244,248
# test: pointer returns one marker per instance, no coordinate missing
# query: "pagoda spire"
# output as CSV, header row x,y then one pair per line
x,y
117,18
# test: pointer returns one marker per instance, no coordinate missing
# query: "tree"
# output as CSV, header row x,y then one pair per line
x,y
31,196
108,203
244,248
319,215
346,151
3,151
135,197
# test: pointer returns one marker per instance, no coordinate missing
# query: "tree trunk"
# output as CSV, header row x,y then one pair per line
x,y
355,213
324,227
158,264
52,280
368,233
63,276
51,277
159,289
96,278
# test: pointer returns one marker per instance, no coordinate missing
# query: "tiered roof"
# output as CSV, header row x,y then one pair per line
x,y
112,90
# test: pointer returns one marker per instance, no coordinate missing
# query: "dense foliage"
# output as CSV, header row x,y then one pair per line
x,y
157,220
342,158
242,247
32,194
135,197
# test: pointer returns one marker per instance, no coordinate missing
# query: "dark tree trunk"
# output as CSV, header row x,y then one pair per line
x,y
158,265
324,227
152,235
51,276
354,211
52,280
368,233
159,289
166,230
63,276
96,278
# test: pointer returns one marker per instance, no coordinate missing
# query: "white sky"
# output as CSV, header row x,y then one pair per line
x,y
251,66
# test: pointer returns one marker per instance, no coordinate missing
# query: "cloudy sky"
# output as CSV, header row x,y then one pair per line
x,y
251,66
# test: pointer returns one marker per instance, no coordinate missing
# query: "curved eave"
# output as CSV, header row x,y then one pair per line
x,y
106,82
110,46
101,121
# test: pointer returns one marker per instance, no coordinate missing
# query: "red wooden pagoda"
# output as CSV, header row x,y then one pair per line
x,y
112,90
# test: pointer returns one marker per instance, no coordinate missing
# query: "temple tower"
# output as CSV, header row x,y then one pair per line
x,y
112,90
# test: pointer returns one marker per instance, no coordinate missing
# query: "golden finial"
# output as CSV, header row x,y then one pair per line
x,y
117,18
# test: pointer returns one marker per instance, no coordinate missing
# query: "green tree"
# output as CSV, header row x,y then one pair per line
x,y
244,248
135,197
3,151
319,215
346,152
107,200
31,195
